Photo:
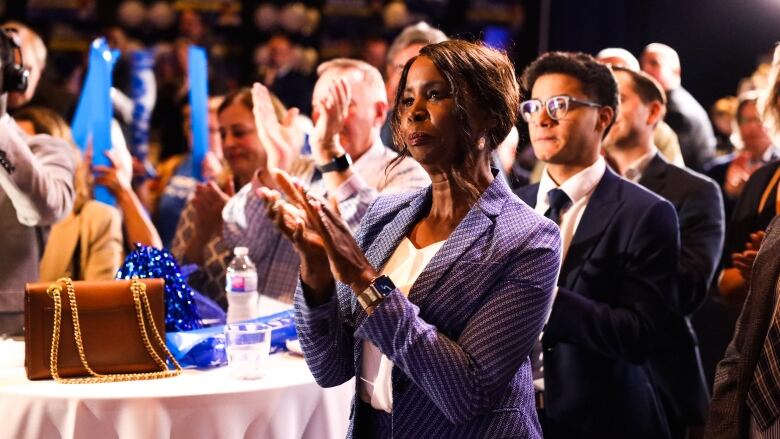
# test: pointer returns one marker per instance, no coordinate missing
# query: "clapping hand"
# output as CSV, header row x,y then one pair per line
x,y
279,138
293,223
331,111
744,261
212,167
209,200
317,230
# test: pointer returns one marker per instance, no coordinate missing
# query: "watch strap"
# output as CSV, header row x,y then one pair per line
x,y
338,164
376,291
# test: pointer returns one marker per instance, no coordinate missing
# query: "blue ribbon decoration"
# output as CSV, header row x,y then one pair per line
x,y
205,347
95,112
199,95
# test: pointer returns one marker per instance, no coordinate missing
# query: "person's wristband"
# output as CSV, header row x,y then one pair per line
x,y
338,164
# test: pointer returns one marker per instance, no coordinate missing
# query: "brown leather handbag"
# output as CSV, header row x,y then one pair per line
x,y
90,331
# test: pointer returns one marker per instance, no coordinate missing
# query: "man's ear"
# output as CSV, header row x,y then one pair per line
x,y
606,117
380,113
656,113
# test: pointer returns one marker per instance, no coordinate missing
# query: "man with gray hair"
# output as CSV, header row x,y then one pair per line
x,y
684,114
349,107
406,45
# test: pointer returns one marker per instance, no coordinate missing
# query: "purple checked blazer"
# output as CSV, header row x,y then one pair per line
x,y
460,342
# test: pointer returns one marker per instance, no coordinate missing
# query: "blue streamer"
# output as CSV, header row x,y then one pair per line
x,y
199,95
206,347
94,112
143,91
181,309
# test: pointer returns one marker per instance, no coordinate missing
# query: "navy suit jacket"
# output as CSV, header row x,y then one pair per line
x,y
677,364
460,341
615,290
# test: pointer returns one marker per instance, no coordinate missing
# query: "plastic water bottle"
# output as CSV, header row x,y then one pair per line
x,y
241,287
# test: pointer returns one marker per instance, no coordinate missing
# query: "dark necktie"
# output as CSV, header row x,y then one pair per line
x,y
763,397
558,201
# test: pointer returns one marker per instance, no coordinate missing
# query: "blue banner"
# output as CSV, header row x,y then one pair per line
x,y
199,96
92,121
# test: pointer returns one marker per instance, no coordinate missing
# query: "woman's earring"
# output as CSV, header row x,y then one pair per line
x,y
481,143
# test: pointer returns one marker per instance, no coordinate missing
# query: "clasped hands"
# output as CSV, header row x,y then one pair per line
x,y
320,236
743,261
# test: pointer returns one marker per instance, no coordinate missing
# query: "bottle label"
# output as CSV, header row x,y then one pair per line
x,y
243,284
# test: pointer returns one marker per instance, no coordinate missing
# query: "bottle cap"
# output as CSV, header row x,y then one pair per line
x,y
240,251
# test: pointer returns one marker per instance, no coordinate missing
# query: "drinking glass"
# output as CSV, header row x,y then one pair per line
x,y
248,346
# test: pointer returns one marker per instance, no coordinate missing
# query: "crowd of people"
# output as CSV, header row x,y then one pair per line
x,y
489,252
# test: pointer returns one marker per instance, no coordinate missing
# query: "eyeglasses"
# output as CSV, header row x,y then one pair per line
x,y
557,107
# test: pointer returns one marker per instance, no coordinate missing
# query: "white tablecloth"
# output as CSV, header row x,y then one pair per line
x,y
286,403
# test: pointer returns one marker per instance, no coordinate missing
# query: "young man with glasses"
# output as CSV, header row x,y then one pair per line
x,y
620,250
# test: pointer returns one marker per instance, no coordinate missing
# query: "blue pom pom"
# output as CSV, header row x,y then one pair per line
x,y
149,262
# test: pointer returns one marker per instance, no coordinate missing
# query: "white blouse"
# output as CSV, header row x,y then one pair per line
x,y
404,266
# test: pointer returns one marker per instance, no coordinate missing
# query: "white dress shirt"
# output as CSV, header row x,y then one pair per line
x,y
404,266
635,170
579,188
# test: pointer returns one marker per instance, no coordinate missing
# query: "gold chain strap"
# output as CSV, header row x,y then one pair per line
x,y
141,300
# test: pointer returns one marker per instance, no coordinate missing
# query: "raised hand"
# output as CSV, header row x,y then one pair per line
x,y
212,167
347,261
331,112
116,178
744,261
209,200
755,240
279,139
291,220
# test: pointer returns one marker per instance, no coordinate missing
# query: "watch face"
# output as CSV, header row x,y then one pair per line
x,y
384,285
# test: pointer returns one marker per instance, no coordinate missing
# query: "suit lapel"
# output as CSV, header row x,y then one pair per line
x,y
385,243
476,223
601,208
391,234
653,176
478,220
528,194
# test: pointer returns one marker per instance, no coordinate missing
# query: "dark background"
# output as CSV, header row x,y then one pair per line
x,y
719,41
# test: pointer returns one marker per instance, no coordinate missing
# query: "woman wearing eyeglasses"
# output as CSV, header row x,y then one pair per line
x,y
435,304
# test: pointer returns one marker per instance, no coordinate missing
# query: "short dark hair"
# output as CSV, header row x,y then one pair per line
x,y
475,73
644,85
598,82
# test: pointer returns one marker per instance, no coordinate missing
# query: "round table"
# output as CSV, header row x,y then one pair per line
x,y
286,403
